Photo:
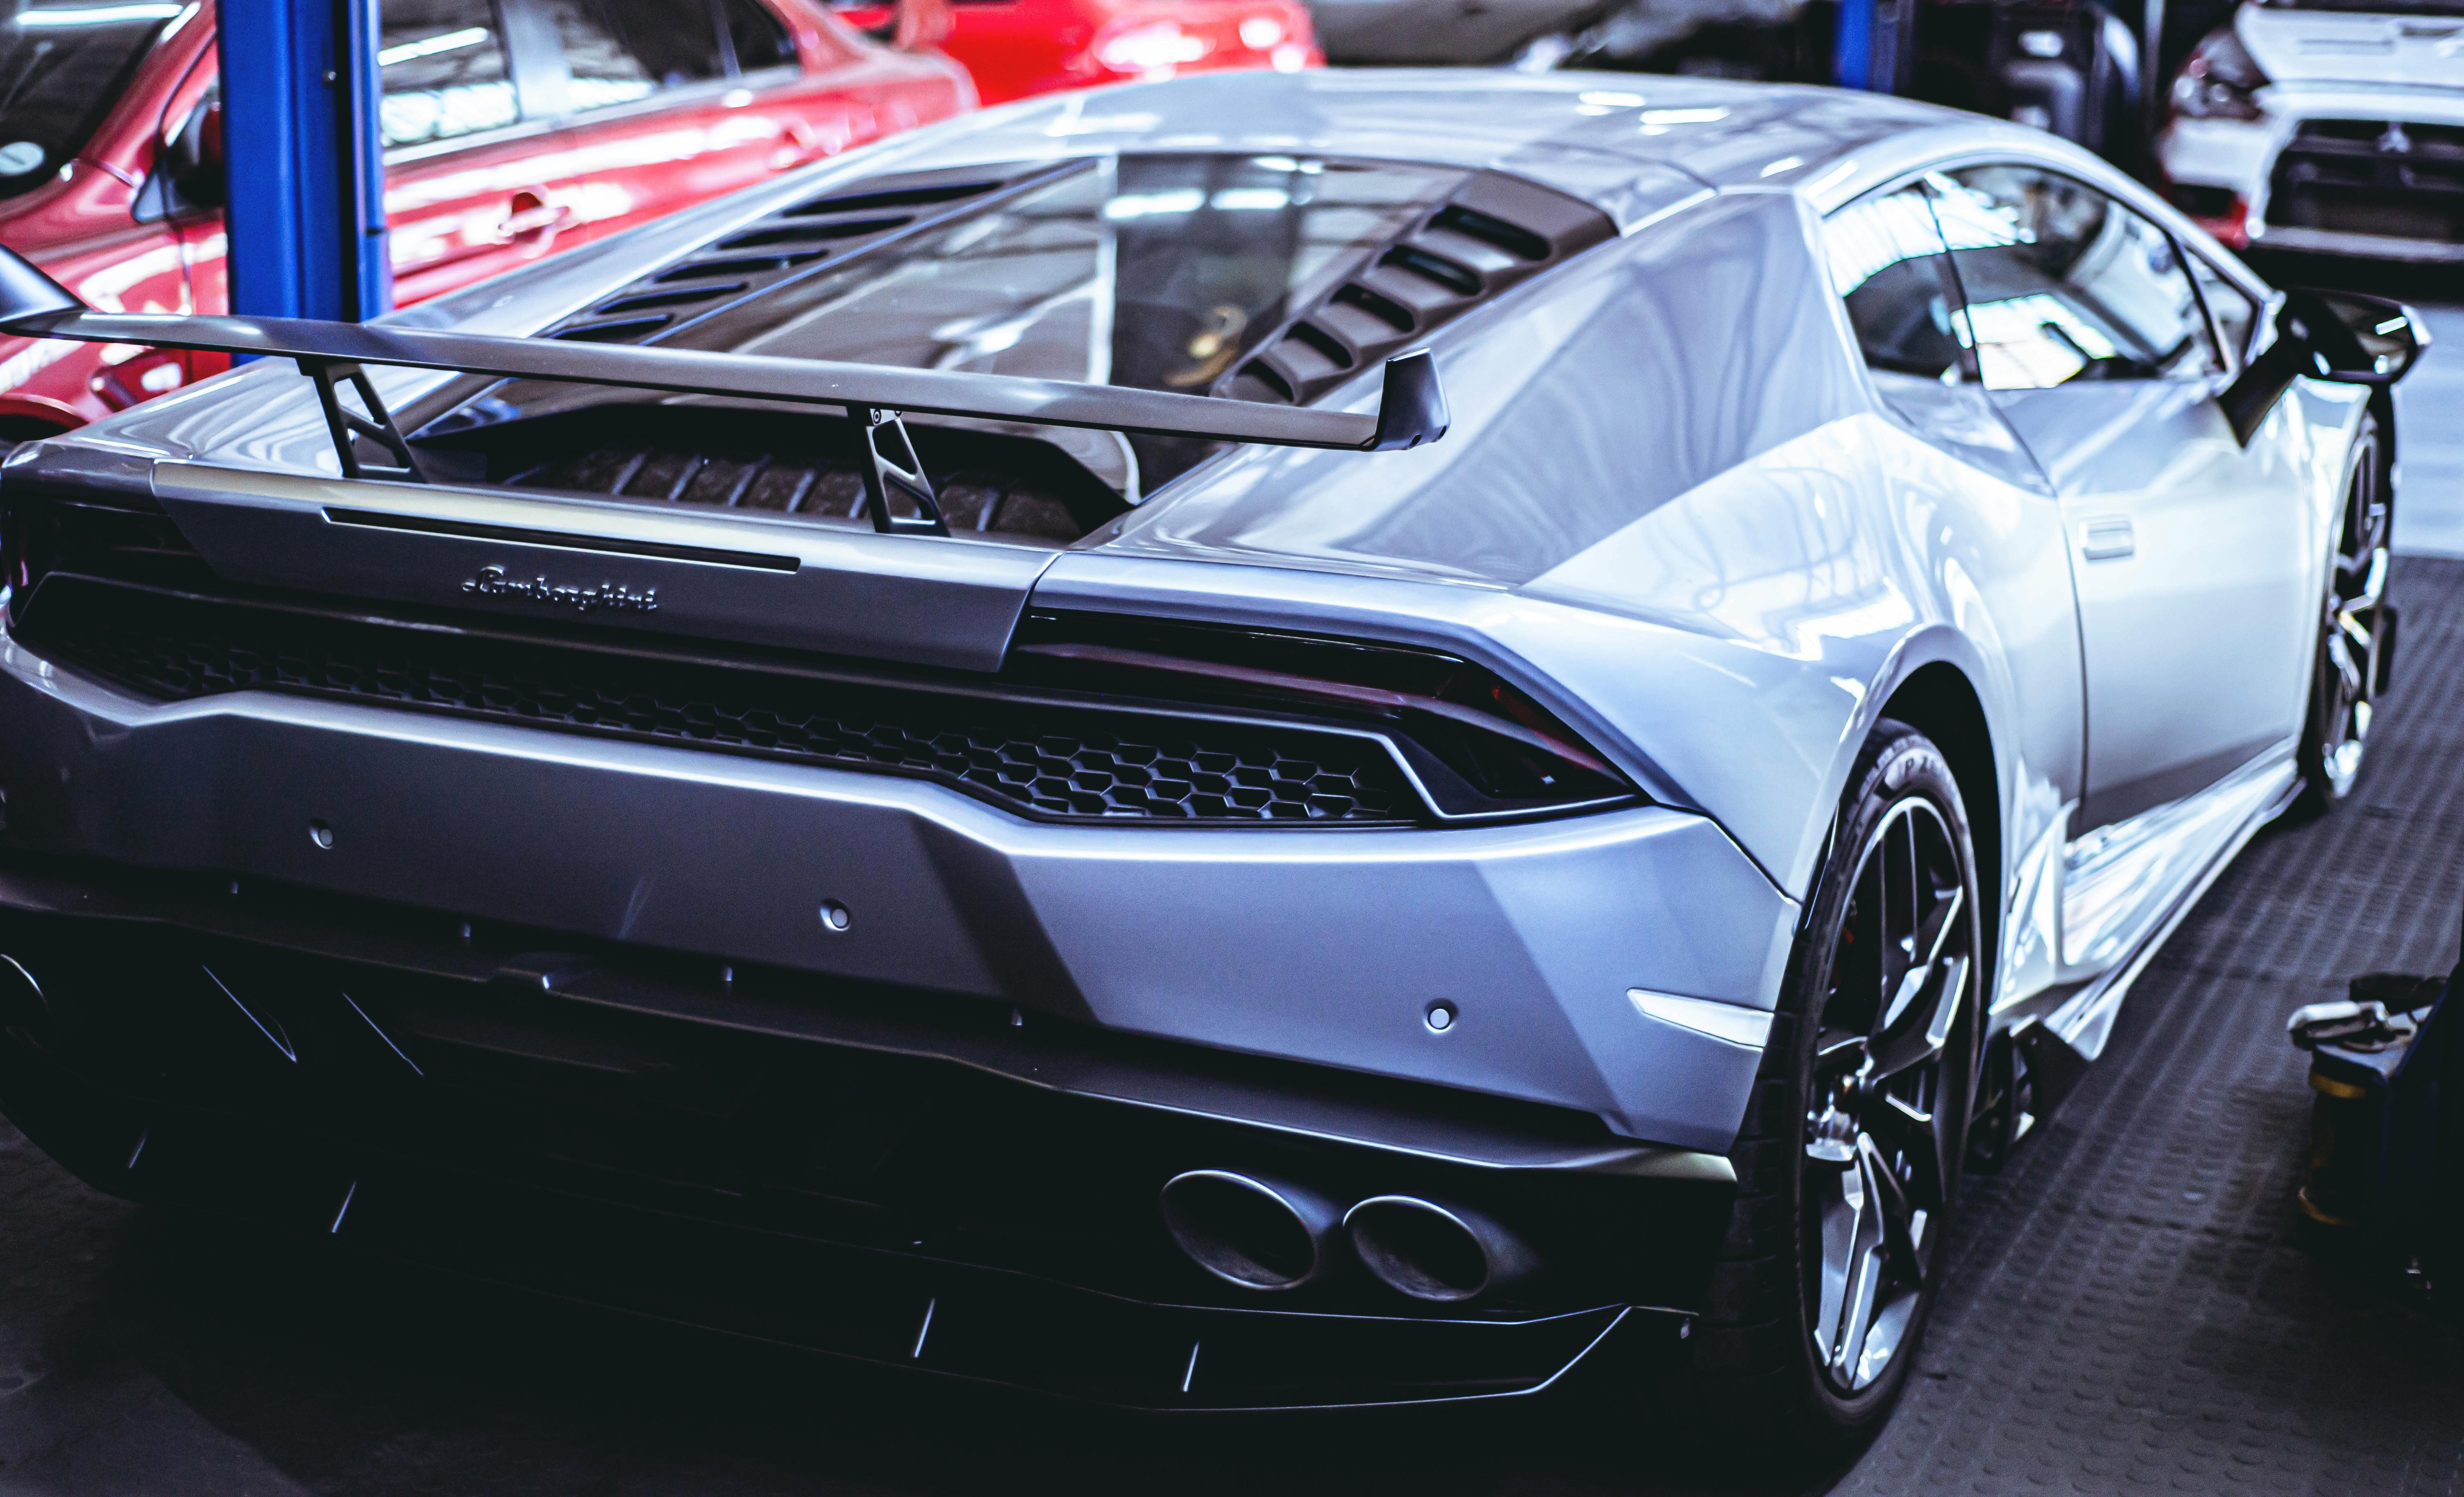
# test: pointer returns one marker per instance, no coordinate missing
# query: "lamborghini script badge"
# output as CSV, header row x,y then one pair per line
x,y
493,582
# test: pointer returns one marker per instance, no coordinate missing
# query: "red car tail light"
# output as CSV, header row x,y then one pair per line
x,y
1150,47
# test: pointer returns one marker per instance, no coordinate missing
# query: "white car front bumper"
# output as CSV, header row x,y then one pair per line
x,y
2341,170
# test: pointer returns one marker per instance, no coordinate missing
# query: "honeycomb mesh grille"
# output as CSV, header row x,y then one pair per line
x,y
1048,759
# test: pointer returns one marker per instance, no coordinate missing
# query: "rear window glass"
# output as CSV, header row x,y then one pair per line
x,y
62,68
1154,272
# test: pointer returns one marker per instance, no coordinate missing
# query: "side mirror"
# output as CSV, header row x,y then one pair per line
x,y
2341,335
193,159
2354,339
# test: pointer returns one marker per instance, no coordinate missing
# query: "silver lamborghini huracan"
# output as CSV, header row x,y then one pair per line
x,y
1267,741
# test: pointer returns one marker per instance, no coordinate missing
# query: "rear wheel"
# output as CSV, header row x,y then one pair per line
x,y
1849,1163
2356,633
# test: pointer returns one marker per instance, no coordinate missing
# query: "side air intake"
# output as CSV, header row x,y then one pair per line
x,y
815,234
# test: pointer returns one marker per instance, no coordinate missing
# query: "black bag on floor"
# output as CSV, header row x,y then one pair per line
x,y
2387,1130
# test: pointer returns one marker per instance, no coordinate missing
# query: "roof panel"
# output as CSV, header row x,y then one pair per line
x,y
1634,144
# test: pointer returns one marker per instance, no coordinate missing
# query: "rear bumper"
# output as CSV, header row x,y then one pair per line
x,y
1319,946
833,1166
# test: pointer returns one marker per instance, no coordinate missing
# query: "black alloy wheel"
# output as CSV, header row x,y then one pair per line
x,y
1850,1160
2356,633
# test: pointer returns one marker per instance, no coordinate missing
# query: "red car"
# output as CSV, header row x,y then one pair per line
x,y
1017,47
512,128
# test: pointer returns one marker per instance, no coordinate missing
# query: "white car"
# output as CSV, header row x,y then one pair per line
x,y
1156,858
2327,126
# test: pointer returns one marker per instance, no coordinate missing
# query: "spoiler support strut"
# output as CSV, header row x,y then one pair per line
x,y
377,426
897,469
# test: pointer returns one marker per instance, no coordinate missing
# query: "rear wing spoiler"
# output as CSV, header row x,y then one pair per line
x,y
1411,412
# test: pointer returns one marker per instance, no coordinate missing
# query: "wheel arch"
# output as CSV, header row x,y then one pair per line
x,y
1938,700
27,418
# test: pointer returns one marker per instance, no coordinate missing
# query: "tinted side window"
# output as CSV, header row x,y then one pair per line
x,y
443,66
2236,315
1888,264
2063,283
623,50
760,41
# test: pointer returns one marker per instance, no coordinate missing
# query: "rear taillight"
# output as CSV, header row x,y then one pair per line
x,y
41,532
1480,746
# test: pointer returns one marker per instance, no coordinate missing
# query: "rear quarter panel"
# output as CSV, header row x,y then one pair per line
x,y
1729,552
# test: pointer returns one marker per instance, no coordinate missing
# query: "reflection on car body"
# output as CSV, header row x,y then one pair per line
x,y
1015,48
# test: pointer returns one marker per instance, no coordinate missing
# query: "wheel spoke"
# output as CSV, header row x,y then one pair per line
x,y
2341,656
1942,926
1862,1284
1839,1219
2373,580
1933,940
1915,1043
1901,1129
1887,1201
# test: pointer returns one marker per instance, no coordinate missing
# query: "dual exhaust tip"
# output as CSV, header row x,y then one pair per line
x,y
1266,1234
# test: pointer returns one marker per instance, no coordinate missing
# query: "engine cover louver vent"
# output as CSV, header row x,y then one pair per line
x,y
1495,233
755,259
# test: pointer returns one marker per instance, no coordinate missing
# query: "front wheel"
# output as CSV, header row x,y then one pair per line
x,y
1849,1162
2356,633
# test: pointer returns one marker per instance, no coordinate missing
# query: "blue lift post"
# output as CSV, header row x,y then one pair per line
x,y
1852,45
303,159
1869,42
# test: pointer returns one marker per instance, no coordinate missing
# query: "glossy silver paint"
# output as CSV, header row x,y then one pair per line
x,y
1674,506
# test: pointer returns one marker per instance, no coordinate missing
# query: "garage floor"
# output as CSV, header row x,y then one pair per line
x,y
2129,1309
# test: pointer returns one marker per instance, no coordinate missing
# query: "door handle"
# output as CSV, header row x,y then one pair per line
x,y
532,219
798,144
2108,538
